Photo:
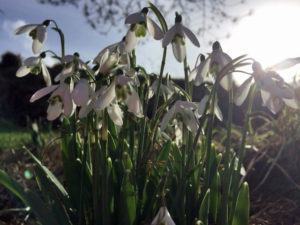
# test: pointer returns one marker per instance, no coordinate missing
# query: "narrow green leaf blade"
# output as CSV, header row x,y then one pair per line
x,y
241,214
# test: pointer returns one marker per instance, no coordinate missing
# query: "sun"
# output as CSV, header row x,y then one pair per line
x,y
269,36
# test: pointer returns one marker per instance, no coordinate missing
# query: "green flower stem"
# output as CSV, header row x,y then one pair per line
x,y
86,149
163,62
104,182
209,135
186,77
226,180
62,38
235,179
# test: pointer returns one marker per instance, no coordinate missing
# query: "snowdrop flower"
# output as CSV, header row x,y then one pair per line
x,y
71,65
201,107
166,90
274,91
35,65
176,35
163,217
37,32
185,109
60,100
140,22
213,65
107,98
106,61
199,74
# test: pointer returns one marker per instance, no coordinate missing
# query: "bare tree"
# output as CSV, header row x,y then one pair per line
x,y
102,15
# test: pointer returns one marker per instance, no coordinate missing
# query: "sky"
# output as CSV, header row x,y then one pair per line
x,y
270,35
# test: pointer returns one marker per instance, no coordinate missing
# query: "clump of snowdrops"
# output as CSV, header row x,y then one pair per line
x,y
122,166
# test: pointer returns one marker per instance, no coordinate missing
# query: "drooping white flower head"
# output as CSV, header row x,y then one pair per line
x,y
37,32
176,36
107,98
216,61
274,90
140,22
35,65
71,65
200,73
185,110
201,108
163,217
60,100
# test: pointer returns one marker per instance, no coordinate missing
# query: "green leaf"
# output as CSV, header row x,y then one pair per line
x,y
214,196
38,207
128,201
49,175
241,214
160,17
204,208
163,155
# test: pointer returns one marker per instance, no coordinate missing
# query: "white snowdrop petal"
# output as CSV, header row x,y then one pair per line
x,y
285,64
42,92
167,117
218,112
80,93
133,103
130,41
41,33
54,110
106,98
202,71
226,82
170,34
265,96
191,36
190,120
178,50
25,28
135,18
186,105
32,61
36,46
116,114
291,103
67,101
201,106
154,29
23,71
242,92
46,74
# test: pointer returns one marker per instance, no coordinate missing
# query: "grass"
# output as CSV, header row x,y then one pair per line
x,y
13,136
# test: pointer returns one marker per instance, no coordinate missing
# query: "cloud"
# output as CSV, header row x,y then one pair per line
x,y
24,41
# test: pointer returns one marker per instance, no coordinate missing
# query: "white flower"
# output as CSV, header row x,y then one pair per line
x,y
163,217
176,35
60,100
71,65
37,32
185,109
107,59
213,65
274,91
139,23
34,65
200,73
201,107
107,98
166,90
